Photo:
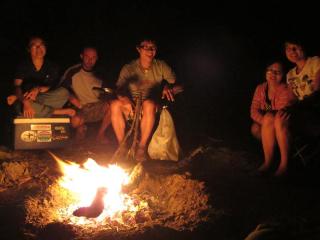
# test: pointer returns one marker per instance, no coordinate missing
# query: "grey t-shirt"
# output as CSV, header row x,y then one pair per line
x,y
143,81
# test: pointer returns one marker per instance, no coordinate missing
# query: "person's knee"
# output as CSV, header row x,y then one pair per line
x,y
149,107
268,119
115,105
77,121
256,130
62,92
280,122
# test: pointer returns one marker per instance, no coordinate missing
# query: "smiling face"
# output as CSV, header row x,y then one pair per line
x,y
89,58
274,73
294,52
37,48
147,50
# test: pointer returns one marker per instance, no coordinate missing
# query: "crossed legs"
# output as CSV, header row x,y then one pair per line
x,y
78,122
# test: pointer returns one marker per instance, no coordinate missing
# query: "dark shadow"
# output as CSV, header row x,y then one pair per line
x,y
54,231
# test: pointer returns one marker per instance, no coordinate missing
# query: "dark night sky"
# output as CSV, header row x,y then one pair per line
x,y
218,51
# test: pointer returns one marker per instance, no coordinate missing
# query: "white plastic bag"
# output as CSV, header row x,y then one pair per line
x,y
164,143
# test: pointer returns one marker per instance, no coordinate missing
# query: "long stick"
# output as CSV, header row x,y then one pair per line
x,y
133,129
132,151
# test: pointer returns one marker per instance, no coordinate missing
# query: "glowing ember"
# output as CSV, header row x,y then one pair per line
x,y
84,181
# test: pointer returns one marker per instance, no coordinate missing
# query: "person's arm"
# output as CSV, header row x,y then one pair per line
x,y
66,82
170,77
75,101
315,96
123,82
316,82
255,110
17,95
33,93
285,97
17,88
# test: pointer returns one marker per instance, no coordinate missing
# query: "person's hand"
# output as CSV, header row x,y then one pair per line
x,y
127,105
28,110
11,99
177,89
75,101
32,94
167,93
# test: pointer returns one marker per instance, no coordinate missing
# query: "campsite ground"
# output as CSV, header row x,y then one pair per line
x,y
240,200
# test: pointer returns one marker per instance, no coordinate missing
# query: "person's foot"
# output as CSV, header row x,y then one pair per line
x,y
141,154
263,168
101,138
281,172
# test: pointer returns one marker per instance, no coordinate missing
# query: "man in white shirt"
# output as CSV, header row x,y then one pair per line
x,y
80,79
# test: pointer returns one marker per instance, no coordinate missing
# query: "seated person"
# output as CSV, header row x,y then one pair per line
x,y
140,77
35,85
304,81
80,80
270,120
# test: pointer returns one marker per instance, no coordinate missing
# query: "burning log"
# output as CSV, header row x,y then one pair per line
x,y
109,199
96,207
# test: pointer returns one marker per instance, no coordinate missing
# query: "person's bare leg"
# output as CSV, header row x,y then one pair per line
x,y
256,130
268,141
283,136
147,121
117,120
146,126
64,111
104,124
77,122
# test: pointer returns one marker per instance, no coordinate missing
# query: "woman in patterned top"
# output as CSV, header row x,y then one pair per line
x,y
270,122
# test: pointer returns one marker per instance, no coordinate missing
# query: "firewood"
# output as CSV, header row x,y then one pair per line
x,y
96,207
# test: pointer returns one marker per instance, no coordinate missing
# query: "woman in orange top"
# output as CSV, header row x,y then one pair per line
x,y
270,121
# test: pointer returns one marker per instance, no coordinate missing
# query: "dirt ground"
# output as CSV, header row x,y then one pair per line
x,y
285,208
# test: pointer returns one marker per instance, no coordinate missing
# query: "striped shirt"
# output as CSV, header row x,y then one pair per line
x,y
282,98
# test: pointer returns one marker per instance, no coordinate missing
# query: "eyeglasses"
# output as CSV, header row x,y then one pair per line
x,y
146,48
34,46
276,72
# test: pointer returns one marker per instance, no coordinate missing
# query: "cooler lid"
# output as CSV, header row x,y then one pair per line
x,y
41,120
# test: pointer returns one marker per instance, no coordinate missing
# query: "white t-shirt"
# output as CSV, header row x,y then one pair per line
x,y
302,83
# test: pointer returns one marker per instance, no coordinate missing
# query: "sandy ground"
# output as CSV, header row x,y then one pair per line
x,y
288,207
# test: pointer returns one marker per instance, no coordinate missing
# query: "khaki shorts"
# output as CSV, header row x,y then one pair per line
x,y
94,112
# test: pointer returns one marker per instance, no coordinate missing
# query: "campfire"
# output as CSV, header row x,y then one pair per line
x,y
100,200
95,187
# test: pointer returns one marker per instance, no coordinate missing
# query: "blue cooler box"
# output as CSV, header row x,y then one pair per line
x,y
41,133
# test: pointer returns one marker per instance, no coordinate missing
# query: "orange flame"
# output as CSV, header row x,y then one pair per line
x,y
83,182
